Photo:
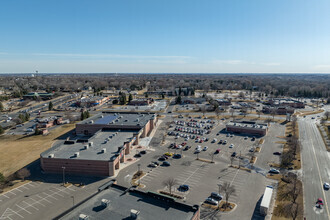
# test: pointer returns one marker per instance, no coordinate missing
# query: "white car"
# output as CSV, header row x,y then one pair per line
x,y
231,146
205,148
326,186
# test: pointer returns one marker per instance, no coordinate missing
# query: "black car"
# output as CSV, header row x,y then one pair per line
x,y
155,162
233,154
143,152
184,187
161,159
166,163
137,155
277,153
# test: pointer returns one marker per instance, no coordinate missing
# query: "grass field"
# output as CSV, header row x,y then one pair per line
x,y
17,151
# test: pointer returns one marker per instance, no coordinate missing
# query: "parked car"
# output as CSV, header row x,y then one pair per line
x,y
275,171
218,151
231,146
155,162
143,152
205,148
220,142
184,187
246,137
326,186
152,165
168,154
216,196
319,201
211,201
161,159
177,156
277,153
233,154
166,163
251,149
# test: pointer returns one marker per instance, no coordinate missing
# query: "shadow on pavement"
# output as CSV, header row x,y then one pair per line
x,y
256,213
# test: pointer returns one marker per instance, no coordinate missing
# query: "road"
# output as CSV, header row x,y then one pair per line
x,y
316,169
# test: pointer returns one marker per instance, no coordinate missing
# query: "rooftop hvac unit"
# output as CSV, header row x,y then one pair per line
x,y
76,154
135,213
83,217
86,147
110,136
105,202
108,139
104,150
51,156
101,116
90,144
91,121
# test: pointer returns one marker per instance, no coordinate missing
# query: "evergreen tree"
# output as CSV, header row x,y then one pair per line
x,y
178,100
1,106
50,106
1,130
130,98
82,116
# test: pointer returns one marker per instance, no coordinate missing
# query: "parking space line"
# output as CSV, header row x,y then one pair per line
x,y
41,198
5,196
29,205
63,190
69,188
50,196
23,186
14,212
37,202
23,209
18,189
56,193
11,192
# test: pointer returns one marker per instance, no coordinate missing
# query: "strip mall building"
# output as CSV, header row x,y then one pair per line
x,y
100,144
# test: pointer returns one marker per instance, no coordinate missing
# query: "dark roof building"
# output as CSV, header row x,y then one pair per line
x,y
117,203
42,95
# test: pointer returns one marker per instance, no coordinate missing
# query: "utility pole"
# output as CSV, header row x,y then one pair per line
x,y
63,176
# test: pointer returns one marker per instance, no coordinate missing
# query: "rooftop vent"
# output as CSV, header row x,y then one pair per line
x,y
103,150
83,217
86,147
91,122
105,202
135,213
51,156
76,154
126,120
90,144
110,136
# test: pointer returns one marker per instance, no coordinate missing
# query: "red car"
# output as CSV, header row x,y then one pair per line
x,y
319,201
184,143
218,150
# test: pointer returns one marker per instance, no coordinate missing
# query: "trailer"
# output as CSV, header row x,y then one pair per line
x,y
265,202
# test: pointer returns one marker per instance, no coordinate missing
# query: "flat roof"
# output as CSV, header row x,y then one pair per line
x,y
108,139
121,204
247,125
129,119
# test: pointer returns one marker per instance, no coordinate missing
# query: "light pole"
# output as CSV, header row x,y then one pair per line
x,y
63,176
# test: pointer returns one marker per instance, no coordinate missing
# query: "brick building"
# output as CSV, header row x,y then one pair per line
x,y
100,144
247,127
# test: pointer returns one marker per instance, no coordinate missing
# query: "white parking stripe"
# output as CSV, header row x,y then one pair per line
x,y
5,196
41,198
63,190
23,209
50,196
15,213
35,202
23,186
69,188
30,205
54,192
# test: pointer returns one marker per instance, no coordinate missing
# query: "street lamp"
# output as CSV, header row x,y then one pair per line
x,y
63,176
139,165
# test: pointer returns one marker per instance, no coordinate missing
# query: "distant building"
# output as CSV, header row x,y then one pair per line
x,y
247,127
35,95
192,100
139,102
49,121
91,101
278,110
100,145
118,202
223,102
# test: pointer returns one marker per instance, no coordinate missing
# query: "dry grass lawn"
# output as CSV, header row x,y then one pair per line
x,y
17,151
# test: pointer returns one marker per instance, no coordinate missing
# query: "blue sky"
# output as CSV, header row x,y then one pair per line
x,y
162,36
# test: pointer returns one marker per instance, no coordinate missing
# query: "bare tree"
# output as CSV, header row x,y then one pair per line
x,y
273,112
232,111
227,190
294,189
169,183
218,112
293,210
211,154
232,159
23,173
203,110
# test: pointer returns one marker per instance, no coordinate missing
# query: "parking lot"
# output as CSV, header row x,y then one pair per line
x,y
156,106
37,200
204,177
